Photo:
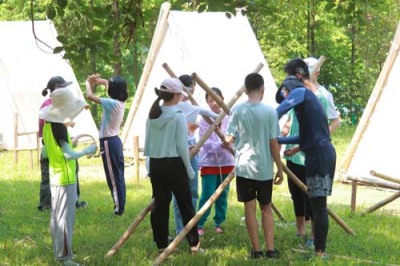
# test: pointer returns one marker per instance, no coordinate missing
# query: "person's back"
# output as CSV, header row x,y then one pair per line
x,y
256,124
159,143
313,123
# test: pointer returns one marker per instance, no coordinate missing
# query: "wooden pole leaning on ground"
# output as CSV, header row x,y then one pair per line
x,y
148,208
303,187
383,202
388,199
131,229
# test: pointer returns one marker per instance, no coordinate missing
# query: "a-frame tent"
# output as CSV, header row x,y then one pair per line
x,y
375,145
26,65
219,49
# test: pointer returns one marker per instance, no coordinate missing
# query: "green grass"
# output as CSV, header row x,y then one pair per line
x,y
25,236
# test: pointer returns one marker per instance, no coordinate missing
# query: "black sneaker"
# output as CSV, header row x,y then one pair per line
x,y
43,208
256,254
272,254
81,204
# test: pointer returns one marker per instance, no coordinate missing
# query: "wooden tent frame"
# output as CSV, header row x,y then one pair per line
x,y
372,103
159,35
363,125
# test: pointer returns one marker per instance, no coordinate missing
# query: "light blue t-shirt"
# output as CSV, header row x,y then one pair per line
x,y
253,125
113,114
167,136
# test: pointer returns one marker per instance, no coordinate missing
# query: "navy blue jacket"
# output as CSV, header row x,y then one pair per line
x,y
313,124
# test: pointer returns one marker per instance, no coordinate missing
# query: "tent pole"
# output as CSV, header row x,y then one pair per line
x,y
371,105
159,35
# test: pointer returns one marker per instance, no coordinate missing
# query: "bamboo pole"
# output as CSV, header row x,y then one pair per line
x,y
131,229
210,92
372,102
383,203
375,183
158,38
386,177
173,75
353,195
303,187
221,116
136,157
126,235
194,102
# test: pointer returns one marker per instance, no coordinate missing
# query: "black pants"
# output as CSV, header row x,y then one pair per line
x,y
114,168
301,202
168,175
321,222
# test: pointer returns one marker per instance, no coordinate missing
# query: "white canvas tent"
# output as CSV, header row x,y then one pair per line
x,y
221,50
25,68
375,144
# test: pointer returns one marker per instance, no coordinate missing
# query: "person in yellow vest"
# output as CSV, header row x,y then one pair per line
x,y
62,163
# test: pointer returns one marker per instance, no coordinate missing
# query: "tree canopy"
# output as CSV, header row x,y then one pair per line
x,y
113,37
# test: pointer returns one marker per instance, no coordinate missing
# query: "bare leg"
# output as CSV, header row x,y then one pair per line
x,y
267,221
300,224
251,223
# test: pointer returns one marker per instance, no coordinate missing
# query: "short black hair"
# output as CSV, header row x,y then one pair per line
x,y
297,66
253,82
118,89
187,80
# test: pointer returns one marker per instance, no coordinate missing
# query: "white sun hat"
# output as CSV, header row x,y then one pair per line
x,y
64,107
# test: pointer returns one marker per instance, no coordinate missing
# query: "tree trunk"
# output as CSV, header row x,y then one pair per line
x,y
311,27
116,43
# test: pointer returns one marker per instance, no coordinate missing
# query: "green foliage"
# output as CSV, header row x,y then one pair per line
x,y
354,35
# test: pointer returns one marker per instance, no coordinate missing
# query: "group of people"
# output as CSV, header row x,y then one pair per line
x,y
248,142
253,130
59,187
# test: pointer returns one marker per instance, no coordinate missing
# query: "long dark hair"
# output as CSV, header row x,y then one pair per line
x,y
155,110
118,89
60,133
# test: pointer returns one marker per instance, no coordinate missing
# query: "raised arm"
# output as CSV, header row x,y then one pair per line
x,y
92,81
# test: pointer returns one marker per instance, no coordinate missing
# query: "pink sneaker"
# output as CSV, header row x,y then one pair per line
x,y
219,230
200,231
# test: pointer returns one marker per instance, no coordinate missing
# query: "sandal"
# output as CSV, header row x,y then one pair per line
x,y
197,249
219,230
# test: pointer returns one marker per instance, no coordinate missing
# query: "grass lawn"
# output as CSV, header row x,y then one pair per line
x,y
25,236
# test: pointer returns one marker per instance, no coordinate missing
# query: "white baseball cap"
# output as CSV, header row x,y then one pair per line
x,y
311,61
173,85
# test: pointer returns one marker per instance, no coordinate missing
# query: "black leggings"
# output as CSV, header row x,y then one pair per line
x,y
321,222
301,203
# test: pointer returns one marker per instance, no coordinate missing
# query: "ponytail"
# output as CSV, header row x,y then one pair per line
x,y
45,91
155,110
